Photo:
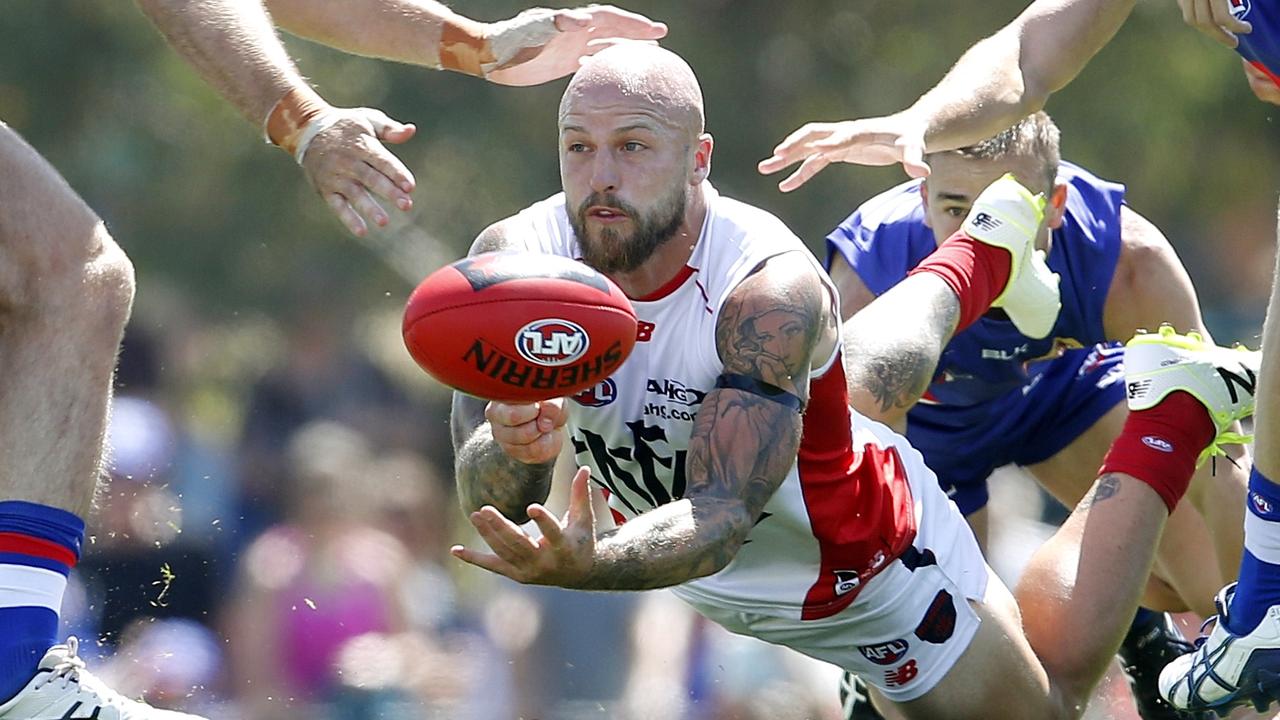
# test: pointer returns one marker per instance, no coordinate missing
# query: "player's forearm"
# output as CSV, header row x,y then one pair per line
x,y
233,46
669,545
892,346
485,475
1011,74
406,31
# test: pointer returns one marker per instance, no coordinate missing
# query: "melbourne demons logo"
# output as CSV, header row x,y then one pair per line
x,y
552,342
599,395
1240,8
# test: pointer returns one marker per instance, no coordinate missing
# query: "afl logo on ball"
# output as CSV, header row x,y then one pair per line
x,y
1239,8
552,342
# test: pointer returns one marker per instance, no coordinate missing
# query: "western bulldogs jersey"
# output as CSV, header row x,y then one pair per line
x,y
1262,46
845,509
886,237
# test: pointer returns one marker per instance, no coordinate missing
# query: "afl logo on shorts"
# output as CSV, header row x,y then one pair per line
x,y
598,396
552,342
885,653
1240,8
1261,507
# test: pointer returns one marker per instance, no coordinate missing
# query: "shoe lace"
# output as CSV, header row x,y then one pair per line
x,y
68,669
1216,449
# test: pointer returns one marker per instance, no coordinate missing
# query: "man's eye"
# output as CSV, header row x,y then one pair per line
x,y
632,146
956,211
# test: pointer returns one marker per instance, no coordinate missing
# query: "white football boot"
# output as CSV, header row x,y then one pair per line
x,y
1222,379
63,690
1008,216
1226,670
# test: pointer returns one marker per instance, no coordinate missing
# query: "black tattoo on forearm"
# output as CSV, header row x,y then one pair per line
x,y
892,346
1105,488
484,474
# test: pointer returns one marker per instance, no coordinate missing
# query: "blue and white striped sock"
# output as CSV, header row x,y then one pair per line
x,y
1258,586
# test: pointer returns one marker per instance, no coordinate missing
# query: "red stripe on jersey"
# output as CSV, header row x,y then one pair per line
x,y
35,547
618,518
858,500
669,286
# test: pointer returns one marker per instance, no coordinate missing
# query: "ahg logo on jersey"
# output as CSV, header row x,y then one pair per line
x,y
675,391
552,342
886,653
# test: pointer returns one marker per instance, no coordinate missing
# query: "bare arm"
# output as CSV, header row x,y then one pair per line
x,y
742,444
1011,74
485,473
999,81
892,346
1150,285
536,46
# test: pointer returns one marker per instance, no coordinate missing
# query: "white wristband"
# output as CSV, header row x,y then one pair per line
x,y
314,128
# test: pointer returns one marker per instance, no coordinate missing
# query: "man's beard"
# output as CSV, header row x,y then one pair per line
x,y
612,252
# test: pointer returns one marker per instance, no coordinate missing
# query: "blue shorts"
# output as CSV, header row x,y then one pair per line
x,y
1064,397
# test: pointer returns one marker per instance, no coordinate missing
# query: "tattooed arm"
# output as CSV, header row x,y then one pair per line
x,y
743,444
892,346
487,473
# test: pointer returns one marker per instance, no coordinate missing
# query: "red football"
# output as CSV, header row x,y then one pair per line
x,y
519,326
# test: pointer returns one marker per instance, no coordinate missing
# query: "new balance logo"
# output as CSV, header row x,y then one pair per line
x,y
1138,388
983,221
1233,380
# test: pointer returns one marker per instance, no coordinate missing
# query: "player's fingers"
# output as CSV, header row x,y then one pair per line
x,y
595,46
346,214
581,512
517,435
547,522
1220,11
364,203
811,166
794,147
913,158
382,186
489,562
383,161
1199,15
500,413
503,536
612,21
552,414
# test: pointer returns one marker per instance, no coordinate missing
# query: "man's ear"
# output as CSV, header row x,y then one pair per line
x,y
1057,206
702,158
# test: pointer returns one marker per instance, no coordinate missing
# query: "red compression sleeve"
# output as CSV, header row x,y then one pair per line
x,y
1160,445
975,271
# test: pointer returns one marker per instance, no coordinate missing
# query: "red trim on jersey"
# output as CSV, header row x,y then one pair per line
x,y
36,547
618,518
669,286
858,500
1266,71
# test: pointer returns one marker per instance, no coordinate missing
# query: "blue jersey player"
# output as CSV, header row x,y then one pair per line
x,y
1053,404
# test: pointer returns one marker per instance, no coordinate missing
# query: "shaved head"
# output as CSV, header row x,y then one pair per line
x,y
653,79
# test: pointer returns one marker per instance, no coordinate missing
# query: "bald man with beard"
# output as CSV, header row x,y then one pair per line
x,y
737,473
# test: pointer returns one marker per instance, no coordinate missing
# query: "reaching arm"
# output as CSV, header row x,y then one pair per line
x,y
999,81
533,47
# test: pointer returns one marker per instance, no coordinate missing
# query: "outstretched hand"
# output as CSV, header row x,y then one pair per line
x,y
563,556
348,165
873,141
540,45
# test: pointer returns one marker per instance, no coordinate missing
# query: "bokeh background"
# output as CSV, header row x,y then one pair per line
x,y
274,540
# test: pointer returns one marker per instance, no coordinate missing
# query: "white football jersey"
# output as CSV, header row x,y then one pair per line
x,y
845,509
